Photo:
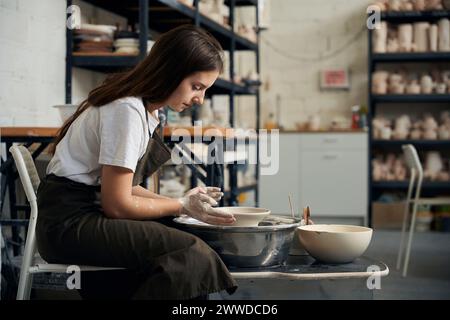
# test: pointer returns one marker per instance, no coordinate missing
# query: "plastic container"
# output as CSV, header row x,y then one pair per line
x,y
355,117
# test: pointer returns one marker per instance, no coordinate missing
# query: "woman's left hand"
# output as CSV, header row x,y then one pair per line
x,y
213,192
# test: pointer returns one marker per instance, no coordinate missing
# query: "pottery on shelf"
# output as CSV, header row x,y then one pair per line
x,y
405,37
379,40
413,87
421,36
426,83
433,164
433,38
444,35
444,132
379,82
386,133
419,5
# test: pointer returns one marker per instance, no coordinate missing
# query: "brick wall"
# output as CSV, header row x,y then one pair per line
x,y
300,33
32,60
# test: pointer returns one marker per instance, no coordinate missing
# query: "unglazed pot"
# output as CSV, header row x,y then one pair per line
x,y
433,38
380,38
421,31
405,37
444,35
426,83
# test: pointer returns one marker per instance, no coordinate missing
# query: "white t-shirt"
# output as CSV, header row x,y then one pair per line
x,y
115,134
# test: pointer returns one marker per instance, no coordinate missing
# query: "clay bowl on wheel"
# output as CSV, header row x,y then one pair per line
x,y
331,243
246,216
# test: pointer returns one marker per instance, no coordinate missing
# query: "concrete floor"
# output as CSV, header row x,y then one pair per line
x,y
428,276
429,269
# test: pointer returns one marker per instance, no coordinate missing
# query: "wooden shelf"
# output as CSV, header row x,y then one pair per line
x,y
28,131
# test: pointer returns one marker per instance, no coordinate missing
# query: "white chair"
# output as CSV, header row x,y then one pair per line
x,y
416,172
32,262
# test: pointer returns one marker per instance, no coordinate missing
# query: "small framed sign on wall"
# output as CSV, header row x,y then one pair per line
x,y
334,79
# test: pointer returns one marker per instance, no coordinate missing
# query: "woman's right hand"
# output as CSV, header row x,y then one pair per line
x,y
199,206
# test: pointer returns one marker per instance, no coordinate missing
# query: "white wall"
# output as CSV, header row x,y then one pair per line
x,y
32,61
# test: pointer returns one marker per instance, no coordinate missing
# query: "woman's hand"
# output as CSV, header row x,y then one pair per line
x,y
213,192
199,206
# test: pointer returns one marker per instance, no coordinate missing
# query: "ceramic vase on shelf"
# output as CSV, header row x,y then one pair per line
x,y
405,37
421,31
433,38
380,38
444,35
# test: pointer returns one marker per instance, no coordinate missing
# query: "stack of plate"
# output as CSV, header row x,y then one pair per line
x,y
127,45
93,38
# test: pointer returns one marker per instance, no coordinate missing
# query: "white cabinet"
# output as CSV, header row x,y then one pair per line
x,y
326,171
274,189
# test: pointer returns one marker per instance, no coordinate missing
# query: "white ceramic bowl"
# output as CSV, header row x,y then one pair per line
x,y
331,243
246,216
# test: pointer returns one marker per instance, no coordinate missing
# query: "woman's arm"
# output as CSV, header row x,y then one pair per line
x,y
119,202
142,192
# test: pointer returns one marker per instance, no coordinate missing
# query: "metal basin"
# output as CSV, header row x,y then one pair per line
x,y
265,245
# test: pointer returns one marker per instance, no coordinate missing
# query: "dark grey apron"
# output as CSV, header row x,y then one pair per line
x,y
161,262
156,154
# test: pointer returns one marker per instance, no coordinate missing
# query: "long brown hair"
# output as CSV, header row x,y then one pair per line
x,y
175,55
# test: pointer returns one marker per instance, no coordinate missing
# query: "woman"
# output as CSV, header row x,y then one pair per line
x,y
92,210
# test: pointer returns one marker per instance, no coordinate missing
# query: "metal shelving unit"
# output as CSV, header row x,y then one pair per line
x,y
161,16
438,186
428,144
411,57
432,100
413,16
412,98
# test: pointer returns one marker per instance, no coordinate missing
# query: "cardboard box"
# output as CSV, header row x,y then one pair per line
x,y
387,215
